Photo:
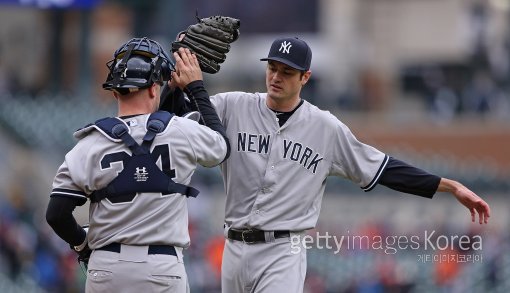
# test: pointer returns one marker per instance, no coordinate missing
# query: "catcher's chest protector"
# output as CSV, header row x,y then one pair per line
x,y
140,173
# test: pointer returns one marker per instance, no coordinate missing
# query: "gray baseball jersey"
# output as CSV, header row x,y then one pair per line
x,y
149,218
275,176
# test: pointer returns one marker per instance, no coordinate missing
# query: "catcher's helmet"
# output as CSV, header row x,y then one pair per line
x,y
138,64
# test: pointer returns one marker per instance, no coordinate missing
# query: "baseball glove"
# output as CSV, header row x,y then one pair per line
x,y
210,40
83,250
84,256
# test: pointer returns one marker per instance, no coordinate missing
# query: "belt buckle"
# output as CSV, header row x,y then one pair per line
x,y
242,236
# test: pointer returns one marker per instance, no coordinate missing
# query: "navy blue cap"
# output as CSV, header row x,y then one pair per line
x,y
291,51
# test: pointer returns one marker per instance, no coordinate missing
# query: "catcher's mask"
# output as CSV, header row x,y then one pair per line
x,y
138,64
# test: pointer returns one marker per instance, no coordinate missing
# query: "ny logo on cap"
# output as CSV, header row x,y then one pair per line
x,y
285,47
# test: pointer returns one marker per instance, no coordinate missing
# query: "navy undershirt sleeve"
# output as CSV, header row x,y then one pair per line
x,y
173,101
59,216
403,177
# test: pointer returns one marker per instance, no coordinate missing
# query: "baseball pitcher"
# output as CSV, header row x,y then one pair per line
x,y
283,149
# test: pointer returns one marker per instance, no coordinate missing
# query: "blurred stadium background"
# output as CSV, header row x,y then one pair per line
x,y
425,81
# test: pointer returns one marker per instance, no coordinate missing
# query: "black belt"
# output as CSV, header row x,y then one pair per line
x,y
153,249
254,236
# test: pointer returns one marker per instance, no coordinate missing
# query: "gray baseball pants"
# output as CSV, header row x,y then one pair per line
x,y
263,267
134,270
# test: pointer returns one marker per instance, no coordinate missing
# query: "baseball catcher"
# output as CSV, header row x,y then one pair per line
x,y
210,40
135,169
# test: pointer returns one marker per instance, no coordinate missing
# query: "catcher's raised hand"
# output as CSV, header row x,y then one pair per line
x,y
187,68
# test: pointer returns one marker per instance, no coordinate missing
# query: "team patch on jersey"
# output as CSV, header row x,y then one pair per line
x,y
303,155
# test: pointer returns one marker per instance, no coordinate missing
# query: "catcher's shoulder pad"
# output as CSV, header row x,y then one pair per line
x,y
112,126
158,121
105,126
